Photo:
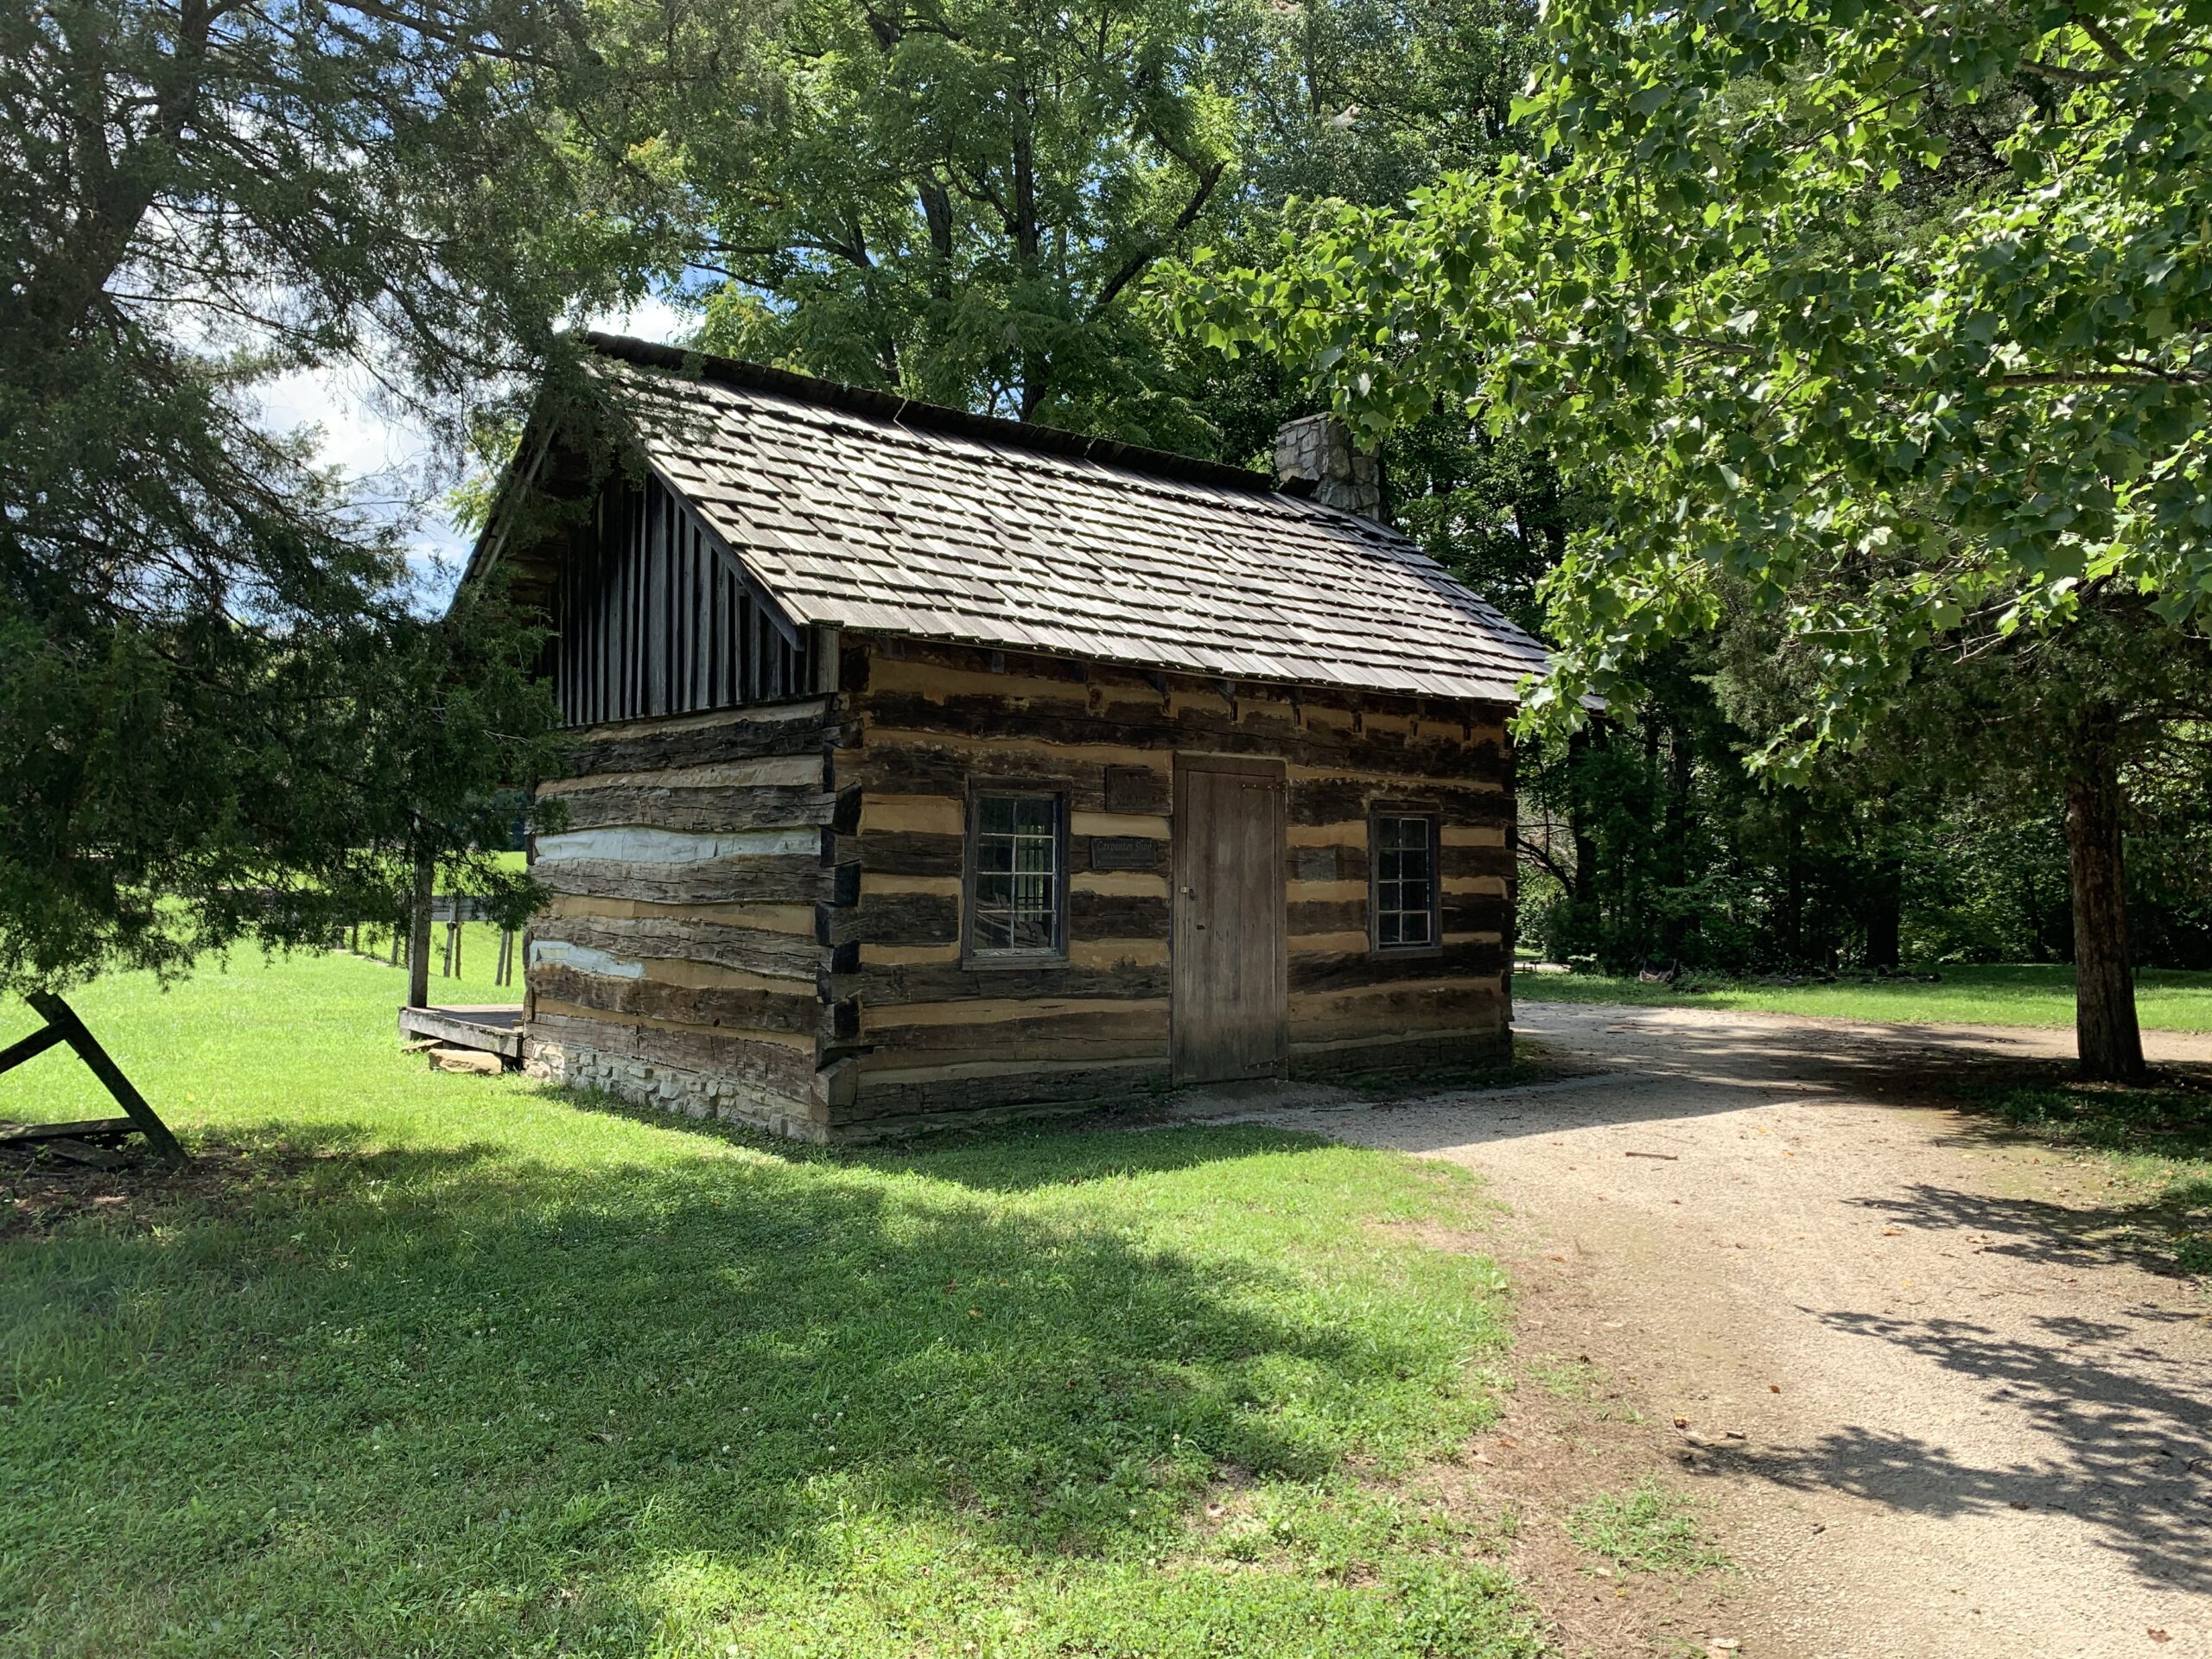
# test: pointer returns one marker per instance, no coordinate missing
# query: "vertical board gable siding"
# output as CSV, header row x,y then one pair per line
x,y
657,617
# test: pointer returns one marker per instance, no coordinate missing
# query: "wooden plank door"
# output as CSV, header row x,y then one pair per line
x,y
1231,997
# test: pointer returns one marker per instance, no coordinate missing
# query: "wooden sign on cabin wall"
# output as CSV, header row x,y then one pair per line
x,y
1124,853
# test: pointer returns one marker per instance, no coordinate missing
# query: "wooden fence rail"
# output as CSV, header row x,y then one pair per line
x,y
454,910
84,1141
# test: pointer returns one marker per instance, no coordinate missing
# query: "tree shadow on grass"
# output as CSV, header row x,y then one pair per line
x,y
1081,1153
467,1400
1069,1151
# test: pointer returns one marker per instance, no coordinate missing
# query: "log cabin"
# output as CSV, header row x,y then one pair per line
x,y
933,768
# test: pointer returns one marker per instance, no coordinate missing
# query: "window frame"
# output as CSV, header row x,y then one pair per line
x,y
973,954
1434,817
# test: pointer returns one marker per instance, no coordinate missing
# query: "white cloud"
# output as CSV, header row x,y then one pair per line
x,y
651,318
394,460
362,440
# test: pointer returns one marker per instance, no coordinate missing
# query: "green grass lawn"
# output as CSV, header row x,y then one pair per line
x,y
418,1363
2155,1145
1646,1528
480,961
2030,994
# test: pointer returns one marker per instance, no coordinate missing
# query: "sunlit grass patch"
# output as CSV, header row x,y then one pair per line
x,y
1999,994
1645,1528
2156,1146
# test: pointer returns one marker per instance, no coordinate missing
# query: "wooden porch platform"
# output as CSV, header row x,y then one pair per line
x,y
492,1027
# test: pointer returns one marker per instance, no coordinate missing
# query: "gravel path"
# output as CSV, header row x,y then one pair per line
x,y
1932,1416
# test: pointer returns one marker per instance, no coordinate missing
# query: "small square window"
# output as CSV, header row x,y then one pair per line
x,y
1402,861
1015,883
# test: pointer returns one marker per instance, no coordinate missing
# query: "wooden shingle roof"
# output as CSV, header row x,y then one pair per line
x,y
861,510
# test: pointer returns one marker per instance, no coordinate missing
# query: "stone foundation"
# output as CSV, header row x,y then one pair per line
x,y
670,1088
971,1103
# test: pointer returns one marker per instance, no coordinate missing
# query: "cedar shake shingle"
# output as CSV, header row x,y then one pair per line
x,y
854,509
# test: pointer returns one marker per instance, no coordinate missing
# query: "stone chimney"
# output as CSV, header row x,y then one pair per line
x,y
1314,456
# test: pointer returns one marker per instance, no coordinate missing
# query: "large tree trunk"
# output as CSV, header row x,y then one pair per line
x,y
2109,1041
1885,911
1578,814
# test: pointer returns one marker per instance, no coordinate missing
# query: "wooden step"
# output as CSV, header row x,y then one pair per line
x,y
493,1030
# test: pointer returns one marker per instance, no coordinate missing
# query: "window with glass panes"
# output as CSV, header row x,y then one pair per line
x,y
1403,847
1014,903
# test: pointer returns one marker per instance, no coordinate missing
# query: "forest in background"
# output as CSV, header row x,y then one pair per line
x,y
975,204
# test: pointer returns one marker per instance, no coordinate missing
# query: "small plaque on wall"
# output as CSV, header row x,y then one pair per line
x,y
1135,789
1124,853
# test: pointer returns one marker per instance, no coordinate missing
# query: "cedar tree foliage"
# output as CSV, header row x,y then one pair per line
x,y
220,716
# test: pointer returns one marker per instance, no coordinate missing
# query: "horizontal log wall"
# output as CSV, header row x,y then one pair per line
x,y
759,913
680,963
933,1034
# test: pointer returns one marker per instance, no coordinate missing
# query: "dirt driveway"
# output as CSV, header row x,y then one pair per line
x,y
1930,1414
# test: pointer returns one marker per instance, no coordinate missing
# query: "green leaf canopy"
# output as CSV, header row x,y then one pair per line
x,y
1896,319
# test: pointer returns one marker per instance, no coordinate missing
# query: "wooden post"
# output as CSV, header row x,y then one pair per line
x,y
454,933
418,936
31,1047
61,1019
394,947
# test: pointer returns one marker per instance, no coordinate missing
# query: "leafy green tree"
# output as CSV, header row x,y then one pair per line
x,y
965,201
1363,102
955,197
2093,731
1366,101
220,716
1992,428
